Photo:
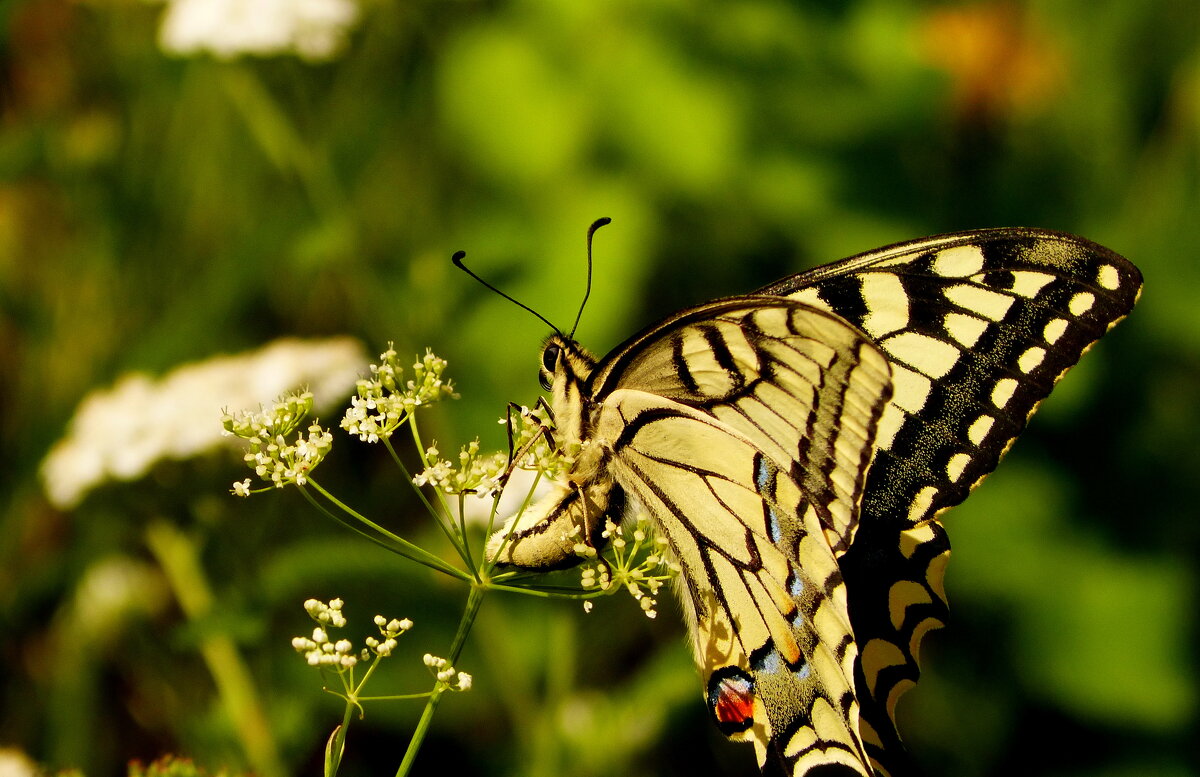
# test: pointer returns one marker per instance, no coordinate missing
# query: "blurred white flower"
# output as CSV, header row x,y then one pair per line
x,y
119,433
311,29
111,590
14,763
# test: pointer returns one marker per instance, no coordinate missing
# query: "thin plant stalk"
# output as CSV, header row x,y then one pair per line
x,y
178,556
474,600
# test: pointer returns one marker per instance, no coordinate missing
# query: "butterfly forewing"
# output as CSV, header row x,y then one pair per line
x,y
978,327
802,386
745,429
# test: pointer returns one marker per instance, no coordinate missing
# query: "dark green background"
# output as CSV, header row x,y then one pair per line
x,y
156,210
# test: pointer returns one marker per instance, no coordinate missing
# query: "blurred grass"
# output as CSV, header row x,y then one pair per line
x,y
155,210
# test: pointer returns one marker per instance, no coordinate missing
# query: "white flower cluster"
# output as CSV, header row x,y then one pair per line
x,y
274,457
475,474
386,399
533,446
313,30
320,650
447,676
641,576
121,432
389,630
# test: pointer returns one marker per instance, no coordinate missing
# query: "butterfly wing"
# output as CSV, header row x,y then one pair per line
x,y
978,327
745,428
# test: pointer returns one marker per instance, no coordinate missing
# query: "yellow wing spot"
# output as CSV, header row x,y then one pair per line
x,y
759,732
935,575
879,654
922,628
965,329
1003,391
931,356
1054,330
921,503
902,595
985,302
954,468
979,429
958,262
869,735
910,389
810,296
773,319
1108,276
913,538
1082,303
1029,360
804,739
888,304
890,422
898,690
1028,284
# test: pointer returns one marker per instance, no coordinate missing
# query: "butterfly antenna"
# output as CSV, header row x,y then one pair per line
x,y
458,262
591,231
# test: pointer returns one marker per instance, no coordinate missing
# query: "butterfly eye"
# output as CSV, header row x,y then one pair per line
x,y
549,363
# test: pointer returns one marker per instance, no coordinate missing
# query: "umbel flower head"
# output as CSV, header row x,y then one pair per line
x,y
119,433
320,649
385,400
274,455
313,30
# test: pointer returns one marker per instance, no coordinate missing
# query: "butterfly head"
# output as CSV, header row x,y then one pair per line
x,y
564,370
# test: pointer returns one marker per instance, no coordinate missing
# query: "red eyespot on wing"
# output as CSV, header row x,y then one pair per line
x,y
731,699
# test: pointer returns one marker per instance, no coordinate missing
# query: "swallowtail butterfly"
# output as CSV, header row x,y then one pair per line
x,y
796,446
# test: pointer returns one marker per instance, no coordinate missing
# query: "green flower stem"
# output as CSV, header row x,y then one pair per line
x,y
456,541
444,517
380,535
178,555
548,592
474,600
398,696
462,532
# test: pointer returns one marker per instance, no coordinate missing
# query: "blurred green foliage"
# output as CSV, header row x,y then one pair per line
x,y
156,209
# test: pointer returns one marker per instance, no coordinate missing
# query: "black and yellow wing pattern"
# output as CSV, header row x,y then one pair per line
x,y
795,447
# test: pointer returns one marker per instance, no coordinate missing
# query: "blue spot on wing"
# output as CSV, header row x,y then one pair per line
x,y
762,479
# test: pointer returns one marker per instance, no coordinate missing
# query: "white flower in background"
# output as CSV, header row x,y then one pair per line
x,y
119,433
311,29
14,763
112,590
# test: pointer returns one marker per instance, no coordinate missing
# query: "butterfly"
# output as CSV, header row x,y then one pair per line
x,y
796,447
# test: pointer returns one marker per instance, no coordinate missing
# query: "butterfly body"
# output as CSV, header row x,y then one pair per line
x,y
795,447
